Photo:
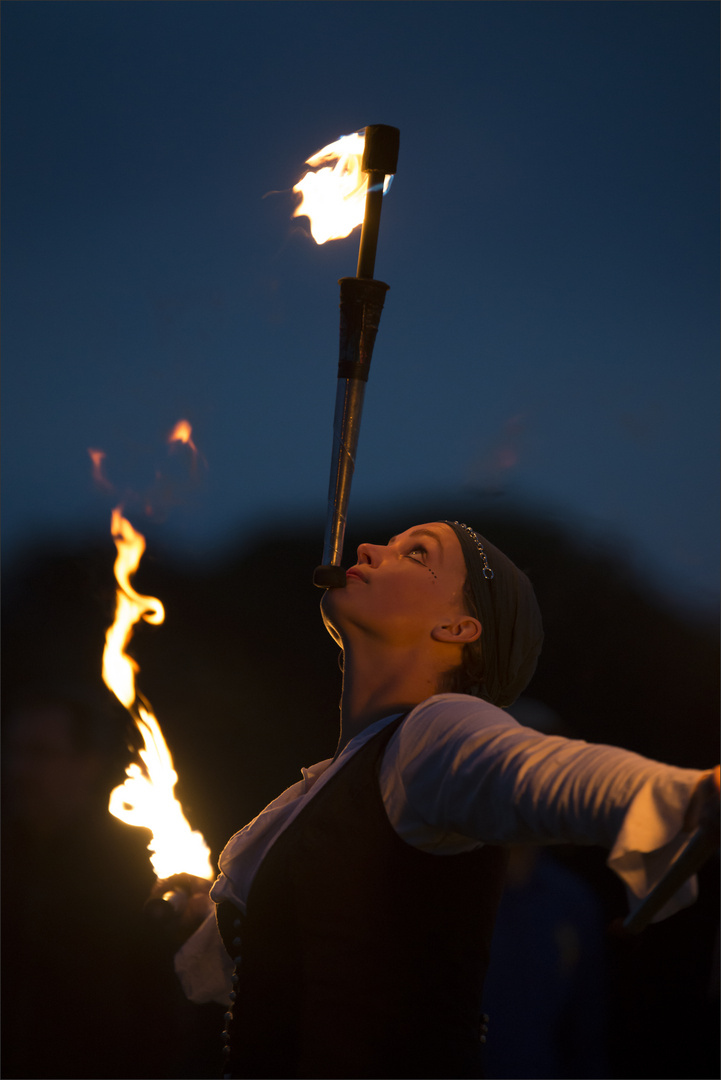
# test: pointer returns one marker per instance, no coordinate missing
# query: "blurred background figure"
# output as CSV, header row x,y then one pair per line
x,y
88,987
546,986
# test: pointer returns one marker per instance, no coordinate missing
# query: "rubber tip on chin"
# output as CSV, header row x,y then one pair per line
x,y
329,577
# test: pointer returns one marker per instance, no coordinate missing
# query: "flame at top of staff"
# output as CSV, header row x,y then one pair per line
x,y
333,198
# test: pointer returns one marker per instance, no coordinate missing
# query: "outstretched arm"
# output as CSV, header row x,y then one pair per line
x,y
460,772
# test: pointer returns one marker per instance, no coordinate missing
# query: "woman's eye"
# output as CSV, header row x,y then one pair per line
x,y
416,551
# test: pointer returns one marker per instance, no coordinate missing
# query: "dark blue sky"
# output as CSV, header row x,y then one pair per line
x,y
551,242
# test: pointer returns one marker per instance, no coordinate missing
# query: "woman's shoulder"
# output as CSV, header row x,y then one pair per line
x,y
458,708
448,720
432,762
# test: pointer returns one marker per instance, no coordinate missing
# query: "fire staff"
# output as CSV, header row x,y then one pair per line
x,y
354,914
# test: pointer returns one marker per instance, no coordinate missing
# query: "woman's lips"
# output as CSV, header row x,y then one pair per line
x,y
354,572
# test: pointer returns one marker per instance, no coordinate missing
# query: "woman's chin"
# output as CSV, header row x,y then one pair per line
x,y
328,621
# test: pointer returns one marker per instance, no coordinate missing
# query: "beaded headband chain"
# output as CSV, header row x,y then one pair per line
x,y
487,572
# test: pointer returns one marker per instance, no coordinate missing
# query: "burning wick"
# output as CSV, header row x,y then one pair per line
x,y
334,197
146,797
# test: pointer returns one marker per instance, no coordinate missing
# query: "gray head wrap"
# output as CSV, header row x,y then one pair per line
x,y
508,611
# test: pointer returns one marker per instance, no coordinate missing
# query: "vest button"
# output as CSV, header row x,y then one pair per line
x,y
232,995
235,942
236,924
236,960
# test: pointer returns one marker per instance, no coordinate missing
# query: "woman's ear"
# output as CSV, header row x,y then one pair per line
x,y
459,632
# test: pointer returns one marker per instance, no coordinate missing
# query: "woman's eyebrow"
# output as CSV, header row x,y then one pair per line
x,y
423,532
430,534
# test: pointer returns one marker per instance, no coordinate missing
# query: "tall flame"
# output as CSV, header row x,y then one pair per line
x,y
118,668
146,797
333,198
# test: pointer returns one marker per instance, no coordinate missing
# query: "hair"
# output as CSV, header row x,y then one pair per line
x,y
468,677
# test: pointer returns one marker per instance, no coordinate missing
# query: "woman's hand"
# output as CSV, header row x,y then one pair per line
x,y
181,900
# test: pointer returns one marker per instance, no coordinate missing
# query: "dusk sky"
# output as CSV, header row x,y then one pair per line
x,y
551,332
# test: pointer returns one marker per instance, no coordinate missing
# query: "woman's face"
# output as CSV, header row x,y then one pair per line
x,y
400,591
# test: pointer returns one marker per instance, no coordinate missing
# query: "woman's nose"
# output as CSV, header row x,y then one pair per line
x,y
369,554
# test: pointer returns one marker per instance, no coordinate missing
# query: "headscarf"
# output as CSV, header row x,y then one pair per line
x,y
508,611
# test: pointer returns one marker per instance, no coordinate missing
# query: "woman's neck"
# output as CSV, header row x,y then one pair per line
x,y
378,683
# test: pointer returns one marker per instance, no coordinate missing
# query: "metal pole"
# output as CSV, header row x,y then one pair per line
x,y
371,225
361,304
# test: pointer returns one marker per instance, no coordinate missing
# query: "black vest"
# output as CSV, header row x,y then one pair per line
x,y
361,956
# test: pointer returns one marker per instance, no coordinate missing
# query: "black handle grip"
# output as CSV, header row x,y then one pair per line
x,y
329,577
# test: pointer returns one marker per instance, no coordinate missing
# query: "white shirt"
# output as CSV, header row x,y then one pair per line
x,y
460,773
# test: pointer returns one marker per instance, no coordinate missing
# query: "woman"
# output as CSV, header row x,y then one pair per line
x,y
356,911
